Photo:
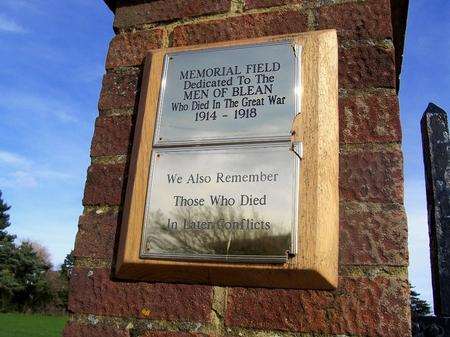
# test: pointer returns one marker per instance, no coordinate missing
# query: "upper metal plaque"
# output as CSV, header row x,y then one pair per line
x,y
232,94
231,203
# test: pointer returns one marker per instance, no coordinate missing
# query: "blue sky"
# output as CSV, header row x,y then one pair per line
x,y
52,54
425,78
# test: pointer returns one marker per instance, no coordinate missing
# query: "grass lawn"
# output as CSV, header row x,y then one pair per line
x,y
20,325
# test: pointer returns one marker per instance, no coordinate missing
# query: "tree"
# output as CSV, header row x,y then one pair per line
x,y
6,240
64,276
41,252
30,273
23,282
4,219
8,283
419,307
67,266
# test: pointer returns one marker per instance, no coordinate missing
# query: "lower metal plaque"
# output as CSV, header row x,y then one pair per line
x,y
234,203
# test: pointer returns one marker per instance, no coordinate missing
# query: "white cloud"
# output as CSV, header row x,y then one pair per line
x,y
17,171
18,179
51,174
10,158
22,5
24,179
38,105
10,26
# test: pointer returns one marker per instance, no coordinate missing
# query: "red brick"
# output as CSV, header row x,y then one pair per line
x,y
251,4
171,334
112,136
93,292
120,90
104,184
370,19
360,306
372,236
129,49
79,330
96,235
366,66
240,27
369,118
373,176
165,10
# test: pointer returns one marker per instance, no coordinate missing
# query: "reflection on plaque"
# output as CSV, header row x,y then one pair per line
x,y
227,203
230,94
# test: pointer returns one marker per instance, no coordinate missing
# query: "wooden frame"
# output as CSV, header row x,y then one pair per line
x,y
316,264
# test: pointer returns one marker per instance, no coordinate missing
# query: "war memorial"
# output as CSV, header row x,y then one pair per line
x,y
246,173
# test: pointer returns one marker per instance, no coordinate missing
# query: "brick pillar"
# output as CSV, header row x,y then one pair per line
x,y
373,294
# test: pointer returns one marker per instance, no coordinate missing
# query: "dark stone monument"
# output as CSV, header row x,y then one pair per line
x,y
437,174
435,142
431,326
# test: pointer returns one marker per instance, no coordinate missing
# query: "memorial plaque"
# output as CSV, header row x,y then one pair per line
x,y
227,203
233,177
231,94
